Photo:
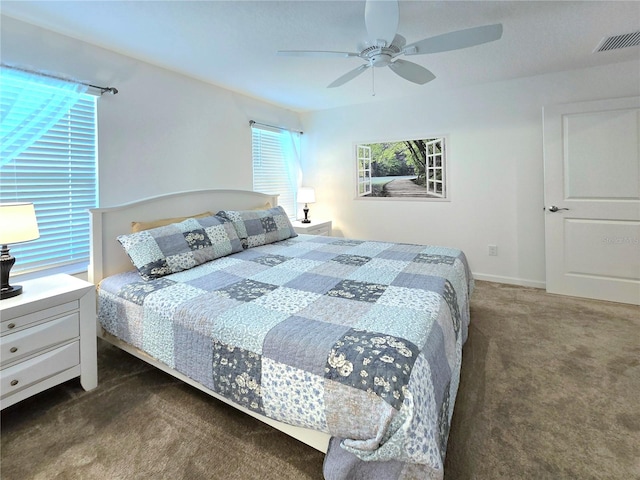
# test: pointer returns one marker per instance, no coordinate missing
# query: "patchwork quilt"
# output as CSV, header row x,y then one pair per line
x,y
358,339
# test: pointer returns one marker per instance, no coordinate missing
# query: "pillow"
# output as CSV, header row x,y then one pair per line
x,y
259,227
139,226
266,206
180,246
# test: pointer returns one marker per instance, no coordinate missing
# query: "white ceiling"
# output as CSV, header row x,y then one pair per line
x,y
233,44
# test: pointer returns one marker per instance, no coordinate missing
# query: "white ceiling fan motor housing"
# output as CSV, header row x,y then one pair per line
x,y
380,56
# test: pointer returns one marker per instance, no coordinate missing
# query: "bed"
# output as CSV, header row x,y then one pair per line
x,y
353,347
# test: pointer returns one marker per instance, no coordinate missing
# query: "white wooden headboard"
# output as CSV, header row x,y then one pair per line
x,y
107,256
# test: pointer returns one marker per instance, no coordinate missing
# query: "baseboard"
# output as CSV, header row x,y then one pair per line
x,y
509,280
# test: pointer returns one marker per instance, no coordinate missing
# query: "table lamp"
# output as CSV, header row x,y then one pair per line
x,y
306,195
18,223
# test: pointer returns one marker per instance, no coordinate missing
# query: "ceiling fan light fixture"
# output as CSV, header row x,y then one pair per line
x,y
380,60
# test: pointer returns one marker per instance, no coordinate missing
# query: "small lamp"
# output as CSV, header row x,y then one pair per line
x,y
306,195
18,223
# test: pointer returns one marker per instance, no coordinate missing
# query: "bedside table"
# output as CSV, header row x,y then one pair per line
x,y
47,336
316,227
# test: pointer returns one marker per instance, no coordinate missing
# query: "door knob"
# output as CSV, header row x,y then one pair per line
x,y
553,208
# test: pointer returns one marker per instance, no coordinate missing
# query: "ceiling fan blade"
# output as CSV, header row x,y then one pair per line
x,y
412,71
381,19
314,53
399,41
350,75
455,40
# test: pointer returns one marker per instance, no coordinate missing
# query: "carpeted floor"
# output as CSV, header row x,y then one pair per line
x,y
550,389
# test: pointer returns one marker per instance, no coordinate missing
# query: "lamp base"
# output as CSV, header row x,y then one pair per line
x,y
6,262
306,212
12,291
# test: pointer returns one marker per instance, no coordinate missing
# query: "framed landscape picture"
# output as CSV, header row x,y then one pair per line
x,y
403,169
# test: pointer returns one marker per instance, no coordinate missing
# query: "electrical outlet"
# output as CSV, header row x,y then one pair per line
x,y
493,250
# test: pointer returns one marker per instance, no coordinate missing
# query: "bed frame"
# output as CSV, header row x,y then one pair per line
x,y
108,258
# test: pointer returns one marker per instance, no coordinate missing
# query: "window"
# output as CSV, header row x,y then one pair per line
x,y
405,169
57,172
276,165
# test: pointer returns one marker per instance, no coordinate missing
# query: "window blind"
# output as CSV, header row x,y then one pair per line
x,y
58,174
275,165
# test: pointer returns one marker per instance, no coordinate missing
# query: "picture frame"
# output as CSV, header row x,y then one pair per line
x,y
415,168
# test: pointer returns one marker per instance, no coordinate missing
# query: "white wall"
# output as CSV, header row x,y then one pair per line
x,y
163,131
495,166
166,132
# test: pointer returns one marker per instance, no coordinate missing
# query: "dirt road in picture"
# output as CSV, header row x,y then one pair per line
x,y
404,187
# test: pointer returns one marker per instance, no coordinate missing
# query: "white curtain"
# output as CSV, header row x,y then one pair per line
x,y
291,147
30,105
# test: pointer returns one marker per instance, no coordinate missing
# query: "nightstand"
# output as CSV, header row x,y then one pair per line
x,y
316,227
47,336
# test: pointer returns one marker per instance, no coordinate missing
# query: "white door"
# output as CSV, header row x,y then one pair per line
x,y
592,199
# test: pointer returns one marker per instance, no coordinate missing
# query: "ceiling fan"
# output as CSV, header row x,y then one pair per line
x,y
384,45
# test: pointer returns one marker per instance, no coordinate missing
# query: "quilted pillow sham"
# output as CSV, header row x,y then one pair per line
x,y
180,246
260,227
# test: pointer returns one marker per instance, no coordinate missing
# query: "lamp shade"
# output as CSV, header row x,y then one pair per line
x,y
18,223
306,195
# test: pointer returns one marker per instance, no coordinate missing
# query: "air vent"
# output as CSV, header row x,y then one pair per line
x,y
619,41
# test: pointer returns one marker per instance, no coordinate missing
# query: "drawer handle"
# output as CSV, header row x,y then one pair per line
x,y
11,325
14,383
13,349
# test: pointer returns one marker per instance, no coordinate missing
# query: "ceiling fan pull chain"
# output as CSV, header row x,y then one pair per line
x,y
373,82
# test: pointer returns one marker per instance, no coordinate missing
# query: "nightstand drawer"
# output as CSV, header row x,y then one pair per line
x,y
39,368
319,230
30,340
315,227
19,323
